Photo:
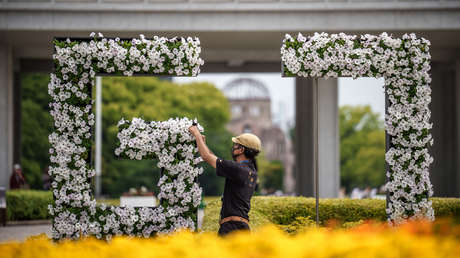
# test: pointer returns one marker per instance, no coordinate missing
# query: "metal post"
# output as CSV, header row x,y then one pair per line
x,y
98,134
387,147
315,135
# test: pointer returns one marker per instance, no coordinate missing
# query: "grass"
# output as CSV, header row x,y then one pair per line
x,y
114,202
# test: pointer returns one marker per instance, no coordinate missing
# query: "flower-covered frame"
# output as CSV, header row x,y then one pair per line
x,y
404,63
74,210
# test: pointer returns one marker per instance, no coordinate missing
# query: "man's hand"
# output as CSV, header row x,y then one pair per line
x,y
205,153
194,131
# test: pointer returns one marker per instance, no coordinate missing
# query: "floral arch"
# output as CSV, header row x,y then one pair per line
x,y
74,210
404,63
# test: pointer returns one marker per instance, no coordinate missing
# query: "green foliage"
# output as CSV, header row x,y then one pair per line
x,y
352,224
298,225
270,174
288,212
35,128
362,147
28,204
284,210
292,212
446,207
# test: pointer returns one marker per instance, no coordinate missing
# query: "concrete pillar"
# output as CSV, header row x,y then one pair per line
x,y
6,114
445,118
328,141
17,118
457,129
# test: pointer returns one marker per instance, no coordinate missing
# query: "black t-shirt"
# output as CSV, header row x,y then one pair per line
x,y
240,183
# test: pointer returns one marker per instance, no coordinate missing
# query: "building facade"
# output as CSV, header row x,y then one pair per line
x,y
250,106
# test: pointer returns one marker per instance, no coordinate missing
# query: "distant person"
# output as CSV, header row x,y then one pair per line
x,y
356,193
342,192
382,190
17,180
366,192
373,193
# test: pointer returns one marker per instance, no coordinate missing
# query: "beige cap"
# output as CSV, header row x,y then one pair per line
x,y
248,140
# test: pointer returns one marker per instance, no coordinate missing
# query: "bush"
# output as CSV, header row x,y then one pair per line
x,y
300,224
447,207
287,211
28,204
284,210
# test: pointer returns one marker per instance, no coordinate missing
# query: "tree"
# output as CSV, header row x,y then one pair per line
x,y
36,125
362,147
270,174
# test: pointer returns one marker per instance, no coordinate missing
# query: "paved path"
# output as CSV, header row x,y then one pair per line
x,y
21,232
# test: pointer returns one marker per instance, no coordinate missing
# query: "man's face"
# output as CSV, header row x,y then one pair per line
x,y
236,150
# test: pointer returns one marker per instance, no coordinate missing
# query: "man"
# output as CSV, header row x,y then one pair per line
x,y
240,178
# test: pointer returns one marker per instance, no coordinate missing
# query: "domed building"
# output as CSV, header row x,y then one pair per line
x,y
250,105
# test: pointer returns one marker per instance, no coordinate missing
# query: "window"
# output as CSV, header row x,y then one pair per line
x,y
254,111
236,110
247,128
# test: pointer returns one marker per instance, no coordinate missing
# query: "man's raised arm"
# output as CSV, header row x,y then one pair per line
x,y
205,153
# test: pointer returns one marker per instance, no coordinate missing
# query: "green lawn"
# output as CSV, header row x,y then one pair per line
x,y
114,202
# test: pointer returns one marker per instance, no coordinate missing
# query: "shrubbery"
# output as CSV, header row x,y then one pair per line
x,y
28,204
291,212
287,211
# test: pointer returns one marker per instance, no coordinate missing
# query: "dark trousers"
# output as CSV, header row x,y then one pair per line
x,y
230,226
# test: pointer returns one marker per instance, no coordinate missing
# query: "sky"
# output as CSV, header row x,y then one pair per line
x,y
362,91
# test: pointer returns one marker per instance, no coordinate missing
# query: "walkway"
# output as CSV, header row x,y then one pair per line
x,y
21,232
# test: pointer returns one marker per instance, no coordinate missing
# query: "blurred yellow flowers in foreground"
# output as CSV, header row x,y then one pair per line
x,y
371,239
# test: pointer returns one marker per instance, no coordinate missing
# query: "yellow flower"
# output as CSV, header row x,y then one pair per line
x,y
414,239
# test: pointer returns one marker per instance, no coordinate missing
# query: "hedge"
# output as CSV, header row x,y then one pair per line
x,y
292,211
28,204
284,210
32,204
